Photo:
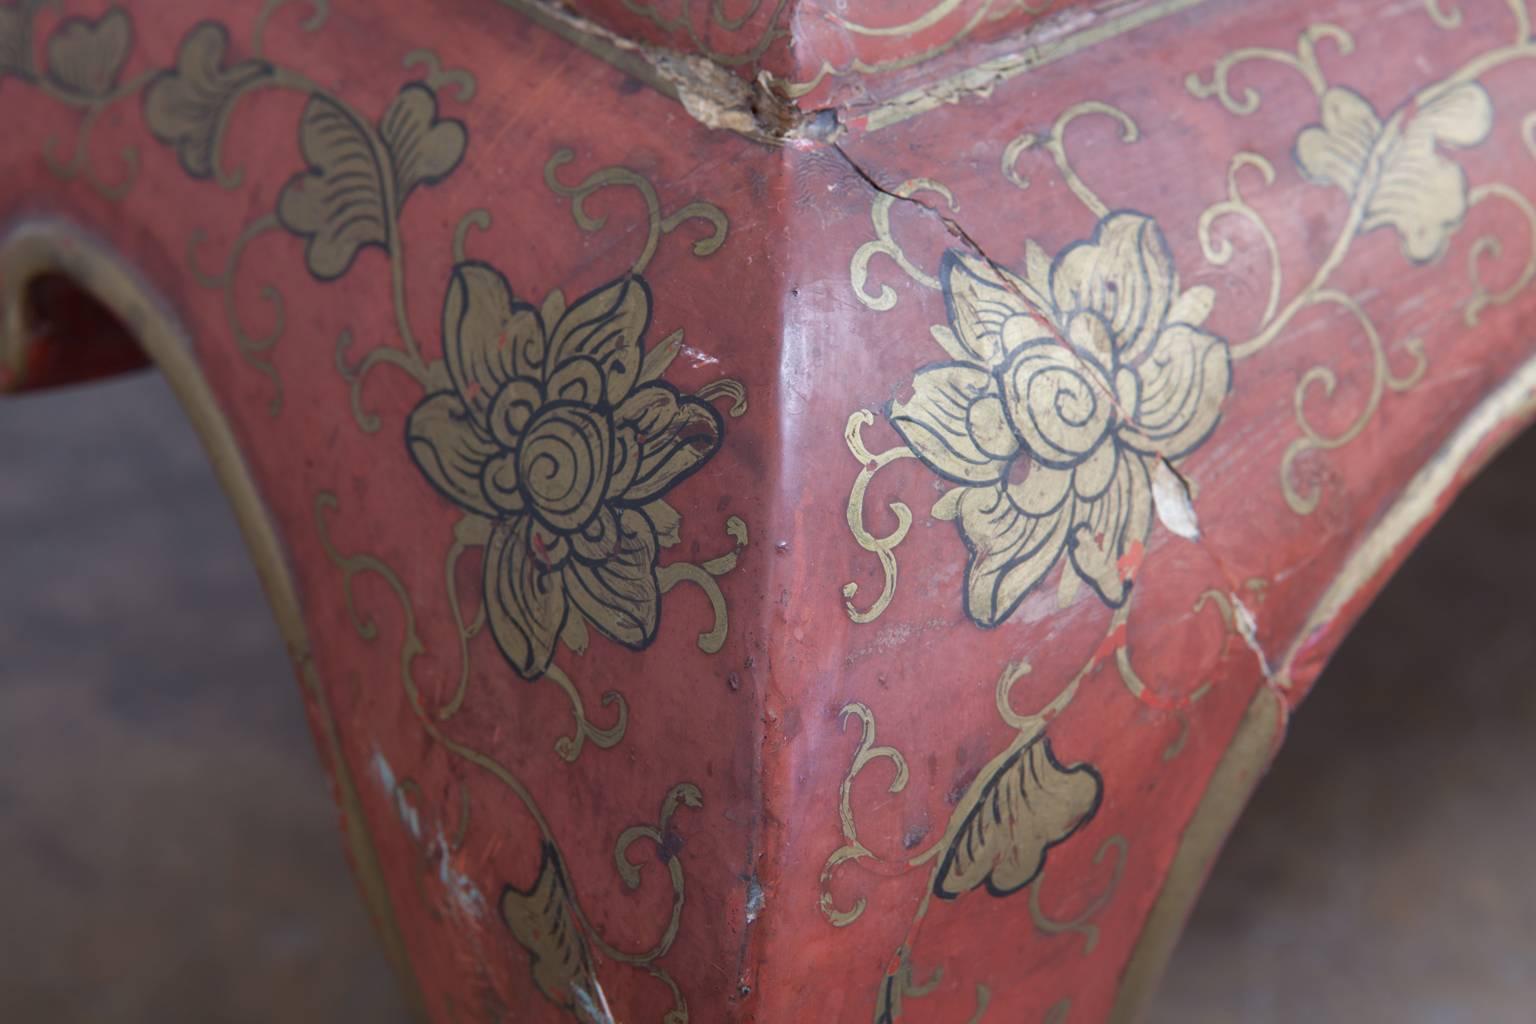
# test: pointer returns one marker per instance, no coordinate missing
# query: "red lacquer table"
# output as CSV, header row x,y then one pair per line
x,y
790,510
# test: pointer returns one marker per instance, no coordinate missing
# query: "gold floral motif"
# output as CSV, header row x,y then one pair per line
x,y
1023,803
558,432
1063,387
550,429
587,367
350,197
1410,185
547,918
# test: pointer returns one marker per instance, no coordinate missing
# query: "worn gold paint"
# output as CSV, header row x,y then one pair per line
x,y
1465,451
853,849
572,436
1398,174
1043,46
1137,380
1226,794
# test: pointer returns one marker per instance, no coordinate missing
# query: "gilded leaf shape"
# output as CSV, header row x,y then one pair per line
x,y
338,204
184,106
356,181
85,57
542,921
547,432
423,148
1405,179
1023,803
1335,151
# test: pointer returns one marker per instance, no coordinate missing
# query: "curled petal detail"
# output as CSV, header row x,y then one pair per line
x,y
1184,382
525,598
1011,551
608,327
618,593
1107,530
983,305
451,450
1125,274
488,339
1059,408
950,422
674,435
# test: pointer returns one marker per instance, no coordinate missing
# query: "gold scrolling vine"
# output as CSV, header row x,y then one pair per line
x,y
1066,389
1397,172
551,427
1047,366
82,67
1023,803
546,918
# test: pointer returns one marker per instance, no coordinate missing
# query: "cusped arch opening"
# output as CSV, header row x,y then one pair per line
x,y
1379,871
69,302
66,335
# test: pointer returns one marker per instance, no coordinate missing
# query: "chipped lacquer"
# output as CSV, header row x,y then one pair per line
x,y
790,510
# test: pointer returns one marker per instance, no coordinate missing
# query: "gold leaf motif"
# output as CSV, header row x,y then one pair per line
x,y
356,183
1023,803
423,148
338,204
1063,388
1397,169
185,106
85,57
551,433
541,920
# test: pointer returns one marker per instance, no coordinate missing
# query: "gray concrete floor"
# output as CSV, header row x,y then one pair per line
x,y
169,853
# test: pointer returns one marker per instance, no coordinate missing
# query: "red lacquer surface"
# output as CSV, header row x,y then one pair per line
x,y
749,785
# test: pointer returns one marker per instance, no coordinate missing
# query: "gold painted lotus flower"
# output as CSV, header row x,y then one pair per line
x,y
1063,388
557,434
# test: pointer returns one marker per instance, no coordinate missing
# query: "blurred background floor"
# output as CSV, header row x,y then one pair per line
x,y
169,853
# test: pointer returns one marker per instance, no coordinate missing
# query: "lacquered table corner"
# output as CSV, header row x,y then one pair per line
x,y
791,510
